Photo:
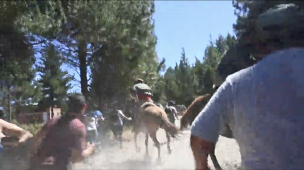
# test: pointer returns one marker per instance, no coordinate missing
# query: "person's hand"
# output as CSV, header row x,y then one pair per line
x,y
130,118
91,147
27,135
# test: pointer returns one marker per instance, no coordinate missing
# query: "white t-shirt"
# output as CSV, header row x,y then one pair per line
x,y
91,123
264,106
119,121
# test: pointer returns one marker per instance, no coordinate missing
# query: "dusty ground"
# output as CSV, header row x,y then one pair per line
x,y
227,152
110,156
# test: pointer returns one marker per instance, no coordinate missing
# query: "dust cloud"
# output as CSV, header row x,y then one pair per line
x,y
112,157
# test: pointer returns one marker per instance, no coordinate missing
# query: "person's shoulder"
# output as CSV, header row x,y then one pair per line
x,y
240,75
76,123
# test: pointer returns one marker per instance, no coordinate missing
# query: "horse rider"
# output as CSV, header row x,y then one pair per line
x,y
142,91
263,104
171,111
144,94
116,122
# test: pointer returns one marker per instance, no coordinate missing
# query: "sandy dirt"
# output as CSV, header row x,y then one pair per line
x,y
112,157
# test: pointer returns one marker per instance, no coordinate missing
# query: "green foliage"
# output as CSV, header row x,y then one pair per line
x,y
111,43
54,81
184,82
33,128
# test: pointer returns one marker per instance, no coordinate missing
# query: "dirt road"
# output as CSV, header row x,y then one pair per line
x,y
113,157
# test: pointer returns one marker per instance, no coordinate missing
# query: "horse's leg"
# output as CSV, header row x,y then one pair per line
x,y
168,142
146,143
135,140
214,160
156,142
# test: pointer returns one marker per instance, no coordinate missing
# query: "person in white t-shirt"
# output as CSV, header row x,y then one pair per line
x,y
91,124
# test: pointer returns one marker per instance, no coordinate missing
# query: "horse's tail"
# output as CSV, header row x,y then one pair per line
x,y
168,126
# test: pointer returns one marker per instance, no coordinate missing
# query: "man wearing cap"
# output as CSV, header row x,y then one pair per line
x,y
142,91
263,104
62,140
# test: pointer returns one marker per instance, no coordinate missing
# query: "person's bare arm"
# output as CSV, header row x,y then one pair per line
x,y
123,116
14,131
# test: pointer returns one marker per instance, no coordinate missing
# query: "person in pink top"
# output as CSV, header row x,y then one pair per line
x,y
62,140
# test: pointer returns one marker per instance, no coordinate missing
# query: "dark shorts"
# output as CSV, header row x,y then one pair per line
x,y
91,136
117,129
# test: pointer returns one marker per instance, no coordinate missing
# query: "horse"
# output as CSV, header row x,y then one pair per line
x,y
191,113
193,110
159,105
148,118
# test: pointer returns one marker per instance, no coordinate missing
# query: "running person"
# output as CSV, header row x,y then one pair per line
x,y
171,111
62,140
116,122
91,124
262,104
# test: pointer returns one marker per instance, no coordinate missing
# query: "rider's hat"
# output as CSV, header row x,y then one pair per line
x,y
139,80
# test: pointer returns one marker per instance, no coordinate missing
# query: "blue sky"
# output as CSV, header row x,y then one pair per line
x,y
188,24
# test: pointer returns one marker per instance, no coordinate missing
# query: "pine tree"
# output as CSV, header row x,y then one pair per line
x,y
54,81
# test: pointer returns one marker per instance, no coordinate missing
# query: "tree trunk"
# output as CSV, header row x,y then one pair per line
x,y
82,56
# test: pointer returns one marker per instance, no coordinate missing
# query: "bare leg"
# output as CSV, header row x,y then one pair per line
x,y
146,143
214,160
120,140
156,142
135,140
168,142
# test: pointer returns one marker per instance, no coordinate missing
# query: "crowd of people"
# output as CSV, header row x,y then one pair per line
x,y
262,105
